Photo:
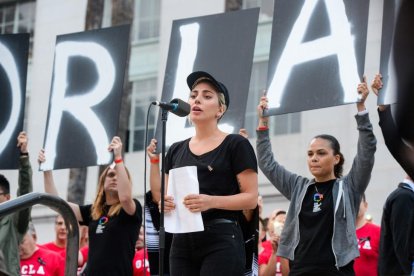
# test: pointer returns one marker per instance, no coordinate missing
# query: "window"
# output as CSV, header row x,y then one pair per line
x,y
18,18
266,8
280,124
146,20
142,95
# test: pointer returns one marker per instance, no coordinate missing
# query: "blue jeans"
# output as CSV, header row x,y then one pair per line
x,y
218,250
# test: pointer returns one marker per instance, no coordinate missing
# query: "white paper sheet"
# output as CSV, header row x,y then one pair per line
x,y
182,182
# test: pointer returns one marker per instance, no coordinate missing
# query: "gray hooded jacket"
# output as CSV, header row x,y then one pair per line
x,y
347,192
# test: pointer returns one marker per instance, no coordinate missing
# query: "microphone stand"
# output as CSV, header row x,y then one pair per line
x,y
164,117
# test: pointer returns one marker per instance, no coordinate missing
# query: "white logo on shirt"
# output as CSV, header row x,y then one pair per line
x,y
317,207
99,229
30,270
367,245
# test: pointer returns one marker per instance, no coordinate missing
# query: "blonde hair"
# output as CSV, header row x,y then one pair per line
x,y
222,103
98,206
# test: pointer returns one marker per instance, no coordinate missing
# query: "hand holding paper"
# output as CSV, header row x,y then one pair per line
x,y
183,186
197,203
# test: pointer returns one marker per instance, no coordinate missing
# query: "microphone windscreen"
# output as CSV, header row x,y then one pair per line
x,y
183,108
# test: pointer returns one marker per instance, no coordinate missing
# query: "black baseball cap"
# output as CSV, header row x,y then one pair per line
x,y
198,76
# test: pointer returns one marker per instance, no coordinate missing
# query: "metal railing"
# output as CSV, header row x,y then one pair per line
x,y
60,206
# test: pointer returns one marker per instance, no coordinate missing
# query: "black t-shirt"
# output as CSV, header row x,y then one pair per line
x,y
112,241
217,169
316,220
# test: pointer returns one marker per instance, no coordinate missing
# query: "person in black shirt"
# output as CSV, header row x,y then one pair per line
x,y
319,234
227,175
396,243
114,218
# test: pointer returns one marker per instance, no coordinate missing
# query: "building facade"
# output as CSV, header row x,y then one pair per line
x,y
149,48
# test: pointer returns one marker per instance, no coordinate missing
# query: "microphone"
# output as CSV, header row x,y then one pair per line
x,y
176,106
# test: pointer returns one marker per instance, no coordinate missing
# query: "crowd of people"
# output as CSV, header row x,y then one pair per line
x,y
323,232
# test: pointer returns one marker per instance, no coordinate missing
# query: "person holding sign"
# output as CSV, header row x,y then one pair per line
x,y
226,170
114,218
13,227
402,152
319,233
396,254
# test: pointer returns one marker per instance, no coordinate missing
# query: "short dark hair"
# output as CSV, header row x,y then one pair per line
x,y
280,212
4,184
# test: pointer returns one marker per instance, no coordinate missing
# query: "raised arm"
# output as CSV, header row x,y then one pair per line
x,y
282,179
155,178
155,174
50,187
123,182
363,92
398,149
363,162
21,218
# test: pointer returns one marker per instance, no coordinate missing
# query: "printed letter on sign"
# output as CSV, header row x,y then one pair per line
x,y
80,106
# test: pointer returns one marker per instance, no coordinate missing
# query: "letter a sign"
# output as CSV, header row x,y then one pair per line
x,y
317,54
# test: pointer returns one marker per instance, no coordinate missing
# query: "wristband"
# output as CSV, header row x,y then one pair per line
x,y
24,154
155,160
119,160
263,128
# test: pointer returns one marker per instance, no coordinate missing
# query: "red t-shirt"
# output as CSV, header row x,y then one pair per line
x,y
265,255
138,263
53,247
84,251
42,262
368,244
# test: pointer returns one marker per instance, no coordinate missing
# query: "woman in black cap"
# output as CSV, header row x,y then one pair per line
x,y
227,176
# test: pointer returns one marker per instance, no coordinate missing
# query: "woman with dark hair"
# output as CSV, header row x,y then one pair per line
x,y
319,233
226,169
114,218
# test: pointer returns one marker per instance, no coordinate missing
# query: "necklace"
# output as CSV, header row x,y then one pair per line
x,y
317,200
200,158
317,197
